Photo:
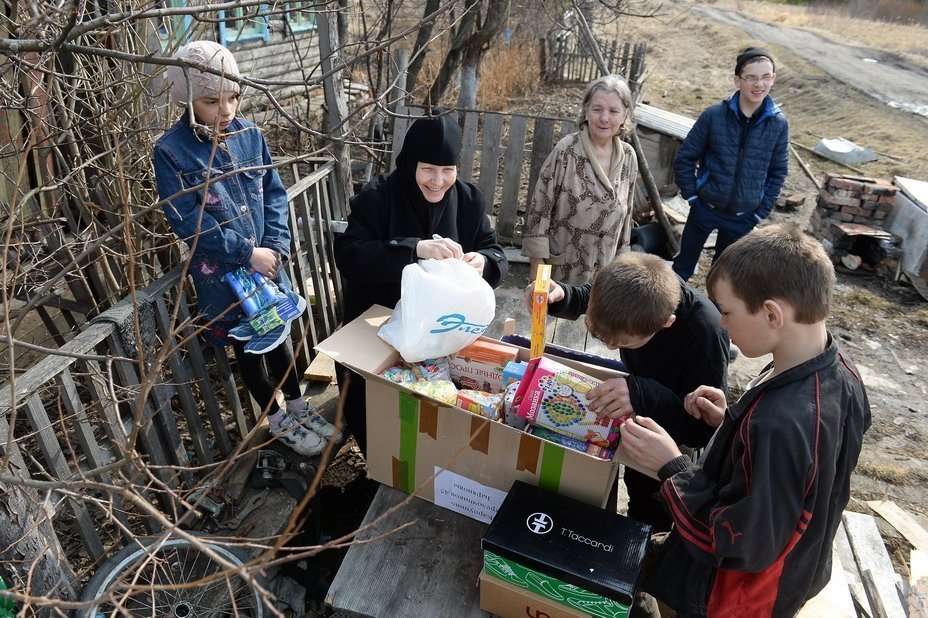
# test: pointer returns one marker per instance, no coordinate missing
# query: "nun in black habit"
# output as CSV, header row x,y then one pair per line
x,y
420,210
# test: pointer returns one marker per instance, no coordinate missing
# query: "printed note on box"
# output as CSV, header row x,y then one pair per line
x,y
553,395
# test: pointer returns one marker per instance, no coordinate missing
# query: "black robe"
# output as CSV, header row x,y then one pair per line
x,y
383,231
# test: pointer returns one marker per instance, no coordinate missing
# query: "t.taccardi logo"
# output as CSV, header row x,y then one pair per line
x,y
539,523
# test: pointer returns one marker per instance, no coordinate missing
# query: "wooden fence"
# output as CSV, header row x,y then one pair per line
x,y
140,367
502,154
566,59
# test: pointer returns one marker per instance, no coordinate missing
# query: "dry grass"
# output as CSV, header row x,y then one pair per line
x,y
895,475
508,71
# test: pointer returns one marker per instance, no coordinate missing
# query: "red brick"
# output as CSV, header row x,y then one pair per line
x,y
840,216
840,201
887,199
844,184
851,210
880,214
877,189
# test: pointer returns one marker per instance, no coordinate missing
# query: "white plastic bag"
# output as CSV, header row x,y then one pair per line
x,y
444,306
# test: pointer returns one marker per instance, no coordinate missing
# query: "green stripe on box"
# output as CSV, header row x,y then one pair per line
x,y
409,430
552,462
552,588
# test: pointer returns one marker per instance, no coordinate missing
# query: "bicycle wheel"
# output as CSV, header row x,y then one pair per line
x,y
151,578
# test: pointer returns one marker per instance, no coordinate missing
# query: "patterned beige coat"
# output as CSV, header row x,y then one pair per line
x,y
580,216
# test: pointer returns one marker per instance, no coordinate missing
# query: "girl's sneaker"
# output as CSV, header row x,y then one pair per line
x,y
296,436
312,420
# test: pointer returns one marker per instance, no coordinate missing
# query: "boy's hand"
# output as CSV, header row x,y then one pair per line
x,y
439,249
555,294
647,444
477,260
706,403
265,261
611,398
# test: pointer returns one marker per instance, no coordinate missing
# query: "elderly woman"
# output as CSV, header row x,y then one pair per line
x,y
580,215
420,210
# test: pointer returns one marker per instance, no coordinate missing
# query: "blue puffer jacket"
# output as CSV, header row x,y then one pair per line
x,y
235,201
732,166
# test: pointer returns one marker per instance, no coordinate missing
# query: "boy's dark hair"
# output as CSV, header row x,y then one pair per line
x,y
750,55
778,262
632,295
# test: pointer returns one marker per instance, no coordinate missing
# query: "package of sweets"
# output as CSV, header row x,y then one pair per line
x,y
573,443
479,402
398,374
432,369
509,411
443,390
513,372
553,395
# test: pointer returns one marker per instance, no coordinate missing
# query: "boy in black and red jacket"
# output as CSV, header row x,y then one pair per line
x,y
755,520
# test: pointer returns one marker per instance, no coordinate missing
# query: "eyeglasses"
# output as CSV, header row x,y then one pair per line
x,y
754,80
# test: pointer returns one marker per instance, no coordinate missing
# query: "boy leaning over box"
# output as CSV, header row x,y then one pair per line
x,y
755,520
669,339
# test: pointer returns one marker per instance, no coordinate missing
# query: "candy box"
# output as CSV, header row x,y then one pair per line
x,y
553,395
487,405
479,366
513,372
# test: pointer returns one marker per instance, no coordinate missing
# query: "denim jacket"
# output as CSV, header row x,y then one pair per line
x,y
229,212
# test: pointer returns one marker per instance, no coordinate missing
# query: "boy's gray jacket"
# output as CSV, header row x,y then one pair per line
x,y
735,167
754,523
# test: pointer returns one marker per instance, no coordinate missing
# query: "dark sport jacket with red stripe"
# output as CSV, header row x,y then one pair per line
x,y
754,523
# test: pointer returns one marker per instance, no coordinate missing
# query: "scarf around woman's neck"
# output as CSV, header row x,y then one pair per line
x,y
618,156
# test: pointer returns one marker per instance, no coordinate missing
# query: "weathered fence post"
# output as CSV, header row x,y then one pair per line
x,y
336,104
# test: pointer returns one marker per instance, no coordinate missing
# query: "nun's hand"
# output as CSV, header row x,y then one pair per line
x,y
477,260
439,249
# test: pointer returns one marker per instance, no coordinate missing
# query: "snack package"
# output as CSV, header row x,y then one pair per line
x,y
265,305
509,411
432,369
553,395
443,390
513,372
399,374
573,443
479,402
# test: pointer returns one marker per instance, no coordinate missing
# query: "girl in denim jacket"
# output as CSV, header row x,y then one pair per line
x,y
222,198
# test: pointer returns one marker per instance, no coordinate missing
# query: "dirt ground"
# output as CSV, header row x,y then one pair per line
x,y
882,324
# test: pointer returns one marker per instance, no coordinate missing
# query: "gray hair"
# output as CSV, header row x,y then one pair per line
x,y
608,83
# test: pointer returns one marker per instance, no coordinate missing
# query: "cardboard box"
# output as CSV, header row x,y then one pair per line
x,y
480,365
568,551
449,456
510,601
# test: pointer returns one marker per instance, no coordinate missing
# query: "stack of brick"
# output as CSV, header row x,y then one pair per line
x,y
851,199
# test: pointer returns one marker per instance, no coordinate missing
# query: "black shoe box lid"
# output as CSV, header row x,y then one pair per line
x,y
579,543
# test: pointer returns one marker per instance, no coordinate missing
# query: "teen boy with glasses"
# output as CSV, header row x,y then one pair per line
x,y
733,162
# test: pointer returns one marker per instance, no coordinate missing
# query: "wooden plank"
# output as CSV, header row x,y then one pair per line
x,y
322,369
871,556
408,572
663,121
901,521
835,598
542,144
181,376
490,148
512,177
842,548
58,464
469,146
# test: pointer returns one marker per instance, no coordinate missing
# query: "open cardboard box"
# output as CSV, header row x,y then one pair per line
x,y
507,600
447,455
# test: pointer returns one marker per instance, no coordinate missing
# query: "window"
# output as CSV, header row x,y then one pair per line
x,y
245,23
302,15
173,30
